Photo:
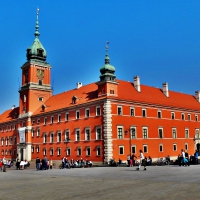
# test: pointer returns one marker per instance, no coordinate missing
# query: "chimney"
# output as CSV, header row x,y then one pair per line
x,y
78,85
197,95
137,83
165,89
13,107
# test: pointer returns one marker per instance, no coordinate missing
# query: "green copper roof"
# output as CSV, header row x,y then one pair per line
x,y
36,50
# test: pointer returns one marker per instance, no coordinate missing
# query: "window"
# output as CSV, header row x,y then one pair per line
x,y
38,149
52,119
161,148
159,114
10,140
172,115
15,126
40,99
67,135
145,133
196,118
87,112
160,133
6,141
32,149
98,133
121,150
88,151
79,151
38,132
15,140
145,148
143,112
67,116
186,146
133,149
189,117
33,122
51,137
119,110
45,138
45,151
2,142
87,134
68,151
33,132
77,135
174,135
133,132
98,111
59,118
59,137
132,112
40,82
38,120
45,120
112,92
51,151
197,133
59,151
77,114
174,147
119,132
186,133
98,150
182,116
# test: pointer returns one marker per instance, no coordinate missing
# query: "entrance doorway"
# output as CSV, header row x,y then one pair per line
x,y
198,147
22,154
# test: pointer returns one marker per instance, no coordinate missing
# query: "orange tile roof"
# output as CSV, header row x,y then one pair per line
x,y
9,115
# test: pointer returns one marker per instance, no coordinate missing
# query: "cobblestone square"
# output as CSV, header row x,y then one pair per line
x,y
158,182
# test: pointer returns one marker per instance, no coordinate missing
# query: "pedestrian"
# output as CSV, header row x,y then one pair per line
x,y
4,164
128,160
142,161
196,154
37,162
51,163
1,163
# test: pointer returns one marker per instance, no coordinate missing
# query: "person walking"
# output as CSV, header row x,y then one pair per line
x,y
37,162
1,164
51,163
142,161
4,164
196,154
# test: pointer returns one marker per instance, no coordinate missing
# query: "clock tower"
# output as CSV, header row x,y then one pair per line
x,y
36,87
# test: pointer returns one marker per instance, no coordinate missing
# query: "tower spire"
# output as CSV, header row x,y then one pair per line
x,y
37,33
107,59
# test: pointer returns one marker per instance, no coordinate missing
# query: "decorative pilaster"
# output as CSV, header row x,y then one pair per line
x,y
107,120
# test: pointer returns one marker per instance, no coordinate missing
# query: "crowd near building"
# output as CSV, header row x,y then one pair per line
x,y
108,119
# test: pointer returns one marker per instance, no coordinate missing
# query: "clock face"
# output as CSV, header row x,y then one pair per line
x,y
40,73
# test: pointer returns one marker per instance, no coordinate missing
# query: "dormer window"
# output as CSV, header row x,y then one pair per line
x,y
43,107
74,98
40,52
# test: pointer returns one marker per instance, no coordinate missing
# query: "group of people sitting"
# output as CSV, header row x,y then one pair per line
x,y
75,163
23,164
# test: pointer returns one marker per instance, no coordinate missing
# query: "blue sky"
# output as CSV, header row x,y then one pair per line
x,y
157,40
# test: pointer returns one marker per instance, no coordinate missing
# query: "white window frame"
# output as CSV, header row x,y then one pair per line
x,y
98,128
121,147
38,120
33,132
196,133
182,116
79,153
159,113
196,118
45,138
145,146
87,112
132,111
77,114
59,118
78,131
186,146
38,149
51,151
51,138
98,107
59,151
122,132
132,148
67,116
52,119
88,151
174,129
87,129
68,151
189,117
143,136
67,133
159,133
173,115
59,136
119,110
144,112
44,151
131,134
160,146
187,134
45,120
98,151
38,132
174,147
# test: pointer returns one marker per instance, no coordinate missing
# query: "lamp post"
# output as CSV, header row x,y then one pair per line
x,y
128,131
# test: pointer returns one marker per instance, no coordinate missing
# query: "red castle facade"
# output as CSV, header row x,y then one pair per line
x,y
107,119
